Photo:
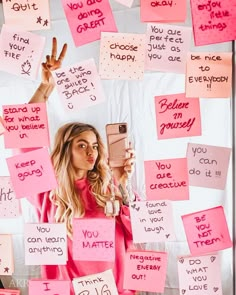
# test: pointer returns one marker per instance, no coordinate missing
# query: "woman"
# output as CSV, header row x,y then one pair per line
x,y
85,187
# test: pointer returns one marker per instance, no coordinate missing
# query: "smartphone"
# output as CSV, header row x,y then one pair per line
x,y
117,143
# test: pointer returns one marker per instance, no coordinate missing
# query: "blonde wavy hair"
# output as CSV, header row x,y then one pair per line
x,y
66,197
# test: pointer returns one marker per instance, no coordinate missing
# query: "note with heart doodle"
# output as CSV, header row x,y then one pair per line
x,y
151,221
207,231
199,275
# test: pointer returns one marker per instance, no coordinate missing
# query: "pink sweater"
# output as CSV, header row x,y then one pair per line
x,y
74,268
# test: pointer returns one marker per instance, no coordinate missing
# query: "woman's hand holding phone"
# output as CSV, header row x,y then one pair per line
x,y
125,173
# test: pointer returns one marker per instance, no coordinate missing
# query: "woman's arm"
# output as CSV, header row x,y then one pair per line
x,y
52,63
123,176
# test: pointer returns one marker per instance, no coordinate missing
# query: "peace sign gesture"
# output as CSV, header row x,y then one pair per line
x,y
52,62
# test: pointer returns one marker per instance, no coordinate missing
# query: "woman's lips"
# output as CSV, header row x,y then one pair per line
x,y
91,160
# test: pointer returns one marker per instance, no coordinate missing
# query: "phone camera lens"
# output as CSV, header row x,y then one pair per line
x,y
122,128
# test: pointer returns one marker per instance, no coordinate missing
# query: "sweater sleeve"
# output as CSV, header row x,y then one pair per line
x,y
125,220
43,206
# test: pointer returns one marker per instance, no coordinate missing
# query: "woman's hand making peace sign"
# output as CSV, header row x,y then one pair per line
x,y
52,63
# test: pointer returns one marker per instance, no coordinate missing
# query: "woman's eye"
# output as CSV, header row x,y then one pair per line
x,y
95,147
82,146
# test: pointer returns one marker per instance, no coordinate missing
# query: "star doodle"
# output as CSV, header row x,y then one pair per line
x,y
6,269
45,22
39,20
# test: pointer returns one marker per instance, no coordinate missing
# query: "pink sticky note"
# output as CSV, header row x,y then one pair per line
x,y
94,239
143,268
30,15
151,221
20,52
213,21
167,179
9,205
26,125
104,285
88,18
48,287
2,124
9,292
207,231
163,11
209,74
167,47
208,165
122,56
200,275
45,243
177,116
79,85
6,255
31,173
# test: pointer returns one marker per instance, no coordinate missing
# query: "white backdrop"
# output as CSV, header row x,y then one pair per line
x,y
133,102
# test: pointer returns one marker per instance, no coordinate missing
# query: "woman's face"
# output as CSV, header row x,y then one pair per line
x,y
84,153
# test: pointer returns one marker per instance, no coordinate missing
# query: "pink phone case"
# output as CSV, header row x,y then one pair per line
x,y
117,144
